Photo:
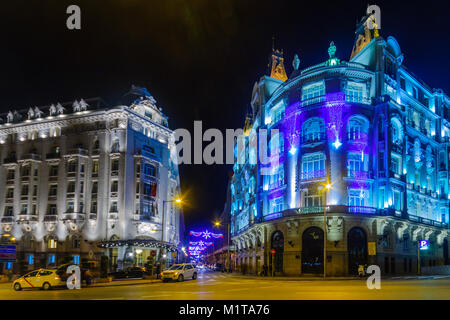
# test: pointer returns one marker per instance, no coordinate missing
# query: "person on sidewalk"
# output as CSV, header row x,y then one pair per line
x,y
158,270
361,270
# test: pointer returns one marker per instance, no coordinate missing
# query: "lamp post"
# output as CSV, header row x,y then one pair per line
x,y
163,227
327,188
228,259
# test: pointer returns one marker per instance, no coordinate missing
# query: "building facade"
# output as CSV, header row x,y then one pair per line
x,y
80,180
367,127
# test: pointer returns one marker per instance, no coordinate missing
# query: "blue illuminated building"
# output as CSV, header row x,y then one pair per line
x,y
369,128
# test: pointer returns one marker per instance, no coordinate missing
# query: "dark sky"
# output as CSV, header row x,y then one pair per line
x,y
199,59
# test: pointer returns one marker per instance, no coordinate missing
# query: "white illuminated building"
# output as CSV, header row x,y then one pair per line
x,y
80,177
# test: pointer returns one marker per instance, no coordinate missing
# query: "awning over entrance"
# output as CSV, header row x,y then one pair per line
x,y
145,243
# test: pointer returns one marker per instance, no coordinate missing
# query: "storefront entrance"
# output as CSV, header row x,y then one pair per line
x,y
312,250
357,249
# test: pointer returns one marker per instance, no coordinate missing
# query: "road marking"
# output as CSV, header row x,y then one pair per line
x,y
239,289
157,295
117,298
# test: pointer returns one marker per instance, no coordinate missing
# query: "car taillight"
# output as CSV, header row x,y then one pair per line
x,y
57,278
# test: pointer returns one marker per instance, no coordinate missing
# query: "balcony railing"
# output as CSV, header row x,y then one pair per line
x,y
78,151
312,138
53,155
313,174
359,175
7,220
10,160
427,221
51,218
310,101
31,156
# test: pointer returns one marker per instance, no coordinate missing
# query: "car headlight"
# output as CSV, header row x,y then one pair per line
x,y
176,273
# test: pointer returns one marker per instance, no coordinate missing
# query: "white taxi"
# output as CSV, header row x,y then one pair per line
x,y
42,278
179,272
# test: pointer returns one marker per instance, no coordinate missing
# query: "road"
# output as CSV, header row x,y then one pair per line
x,y
215,286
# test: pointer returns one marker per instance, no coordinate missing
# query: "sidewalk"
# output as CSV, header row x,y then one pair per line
x,y
318,278
125,282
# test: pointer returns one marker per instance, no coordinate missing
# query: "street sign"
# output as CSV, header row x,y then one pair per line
x,y
272,252
174,254
7,253
153,253
423,245
372,248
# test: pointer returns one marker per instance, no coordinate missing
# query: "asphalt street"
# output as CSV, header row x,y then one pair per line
x,y
215,286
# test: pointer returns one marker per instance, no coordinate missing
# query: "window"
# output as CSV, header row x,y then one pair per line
x,y
115,146
76,259
24,190
10,193
415,93
25,171
95,166
115,164
397,200
113,206
8,211
53,190
355,164
313,90
52,209
277,178
35,190
94,187
357,129
402,83
313,130
114,186
96,144
276,204
11,174
24,209
81,186
53,171
149,170
313,166
36,172
81,207
356,198
396,164
72,167
313,200
71,187
70,207
382,199
94,207
51,259
82,168
354,92
52,244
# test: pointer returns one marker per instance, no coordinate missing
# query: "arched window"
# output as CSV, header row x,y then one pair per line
x,y
396,131
313,130
96,144
115,145
357,128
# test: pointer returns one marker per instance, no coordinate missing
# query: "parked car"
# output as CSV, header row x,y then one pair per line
x,y
179,272
218,267
86,274
42,278
130,273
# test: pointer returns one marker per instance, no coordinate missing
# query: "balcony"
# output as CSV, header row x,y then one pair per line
x,y
311,101
9,160
313,138
113,216
359,175
78,152
310,175
96,152
27,218
32,156
53,156
51,218
427,221
71,216
7,219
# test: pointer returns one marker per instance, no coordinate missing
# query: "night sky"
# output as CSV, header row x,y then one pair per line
x,y
199,59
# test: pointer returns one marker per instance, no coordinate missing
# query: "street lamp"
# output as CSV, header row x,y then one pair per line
x,y
178,201
327,188
217,223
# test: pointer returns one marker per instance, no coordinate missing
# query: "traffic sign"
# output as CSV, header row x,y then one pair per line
x,y
273,252
153,253
174,254
423,245
372,248
7,253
